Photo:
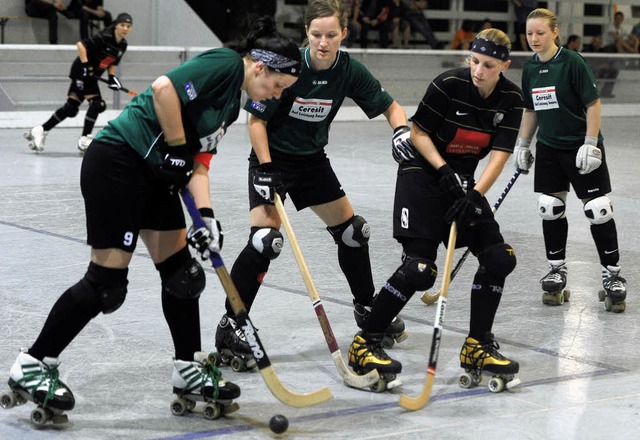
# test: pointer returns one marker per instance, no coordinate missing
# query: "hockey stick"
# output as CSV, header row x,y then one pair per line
x,y
122,89
349,377
430,299
416,403
275,385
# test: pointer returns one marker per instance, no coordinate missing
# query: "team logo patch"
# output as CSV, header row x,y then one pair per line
x,y
404,218
191,91
258,106
497,119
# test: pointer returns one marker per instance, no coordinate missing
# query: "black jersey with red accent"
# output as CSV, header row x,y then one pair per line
x,y
102,51
465,127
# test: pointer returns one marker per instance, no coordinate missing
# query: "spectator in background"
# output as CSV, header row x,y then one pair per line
x,y
618,39
464,36
574,42
604,70
414,14
374,15
90,10
596,44
636,31
353,26
486,24
523,9
398,24
48,10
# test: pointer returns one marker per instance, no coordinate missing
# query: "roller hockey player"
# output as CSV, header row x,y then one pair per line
x,y
233,348
482,357
366,354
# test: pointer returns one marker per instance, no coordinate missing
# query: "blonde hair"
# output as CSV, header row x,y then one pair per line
x,y
495,36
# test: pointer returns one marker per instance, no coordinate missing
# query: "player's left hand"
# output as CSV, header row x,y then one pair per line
x,y
208,238
465,210
114,83
589,157
402,148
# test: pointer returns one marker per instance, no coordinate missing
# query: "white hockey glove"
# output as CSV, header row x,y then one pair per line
x,y
522,157
402,148
208,238
114,83
589,156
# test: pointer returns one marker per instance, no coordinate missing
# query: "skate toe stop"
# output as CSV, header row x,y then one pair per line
x,y
513,383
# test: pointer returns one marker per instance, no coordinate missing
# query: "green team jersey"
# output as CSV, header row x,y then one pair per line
x,y
299,122
208,86
559,91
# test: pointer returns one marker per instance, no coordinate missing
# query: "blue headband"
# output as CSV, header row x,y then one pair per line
x,y
276,62
489,48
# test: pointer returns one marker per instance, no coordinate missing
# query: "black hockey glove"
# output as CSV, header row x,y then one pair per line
x,y
208,238
450,183
87,70
267,181
176,167
402,148
465,210
114,83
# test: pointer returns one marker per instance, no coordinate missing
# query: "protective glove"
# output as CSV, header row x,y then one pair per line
x,y
465,210
450,182
402,148
589,156
522,157
208,238
87,70
114,83
267,181
176,167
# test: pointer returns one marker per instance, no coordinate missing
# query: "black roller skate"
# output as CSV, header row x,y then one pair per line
x,y
200,380
233,348
394,333
478,357
366,354
615,290
37,381
553,284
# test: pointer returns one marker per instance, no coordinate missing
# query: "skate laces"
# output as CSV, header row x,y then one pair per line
x,y
556,274
49,374
210,372
612,281
482,351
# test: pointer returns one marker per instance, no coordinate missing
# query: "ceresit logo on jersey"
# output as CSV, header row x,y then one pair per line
x,y
544,98
191,91
209,142
312,110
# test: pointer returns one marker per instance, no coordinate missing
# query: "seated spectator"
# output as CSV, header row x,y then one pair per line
x,y
464,36
353,26
618,39
604,70
573,43
398,24
373,16
522,9
48,10
596,44
417,21
90,10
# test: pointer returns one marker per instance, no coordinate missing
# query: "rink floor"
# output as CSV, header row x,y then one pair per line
x,y
579,364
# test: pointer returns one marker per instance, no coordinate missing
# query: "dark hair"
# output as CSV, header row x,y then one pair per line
x,y
263,35
572,38
326,8
467,25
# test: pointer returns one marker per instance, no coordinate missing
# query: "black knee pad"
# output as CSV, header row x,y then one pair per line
x,y
96,106
267,241
354,233
71,108
109,285
188,282
499,260
420,273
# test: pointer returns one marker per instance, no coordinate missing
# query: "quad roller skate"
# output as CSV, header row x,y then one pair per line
x,y
36,137
83,143
615,290
553,284
483,357
366,354
37,381
201,380
233,348
394,333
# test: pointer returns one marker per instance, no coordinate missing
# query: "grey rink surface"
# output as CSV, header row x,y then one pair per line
x,y
579,364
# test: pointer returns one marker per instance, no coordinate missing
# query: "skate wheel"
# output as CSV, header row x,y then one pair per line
x,y
610,306
214,359
465,380
212,411
552,299
8,400
178,407
387,342
380,386
566,294
190,404
402,336
238,364
496,384
601,295
39,416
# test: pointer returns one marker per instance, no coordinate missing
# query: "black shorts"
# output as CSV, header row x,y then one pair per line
x,y
122,195
84,87
308,180
418,213
556,169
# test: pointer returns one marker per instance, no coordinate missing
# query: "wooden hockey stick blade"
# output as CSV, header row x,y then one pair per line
x,y
348,376
416,403
275,385
427,298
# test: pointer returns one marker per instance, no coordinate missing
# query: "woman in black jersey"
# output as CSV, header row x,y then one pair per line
x,y
97,54
465,115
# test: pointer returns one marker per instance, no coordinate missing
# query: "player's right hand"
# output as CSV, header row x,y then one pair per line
x,y
176,168
402,148
450,182
267,181
208,238
522,157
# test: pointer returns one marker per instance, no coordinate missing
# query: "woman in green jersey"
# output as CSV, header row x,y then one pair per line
x,y
563,104
162,141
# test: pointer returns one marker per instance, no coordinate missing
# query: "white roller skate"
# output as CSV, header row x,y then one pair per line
x,y
233,348
83,143
482,357
395,332
366,354
36,137
615,290
37,381
553,284
200,380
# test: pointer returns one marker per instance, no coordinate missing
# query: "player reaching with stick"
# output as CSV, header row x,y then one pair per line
x,y
465,115
131,173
